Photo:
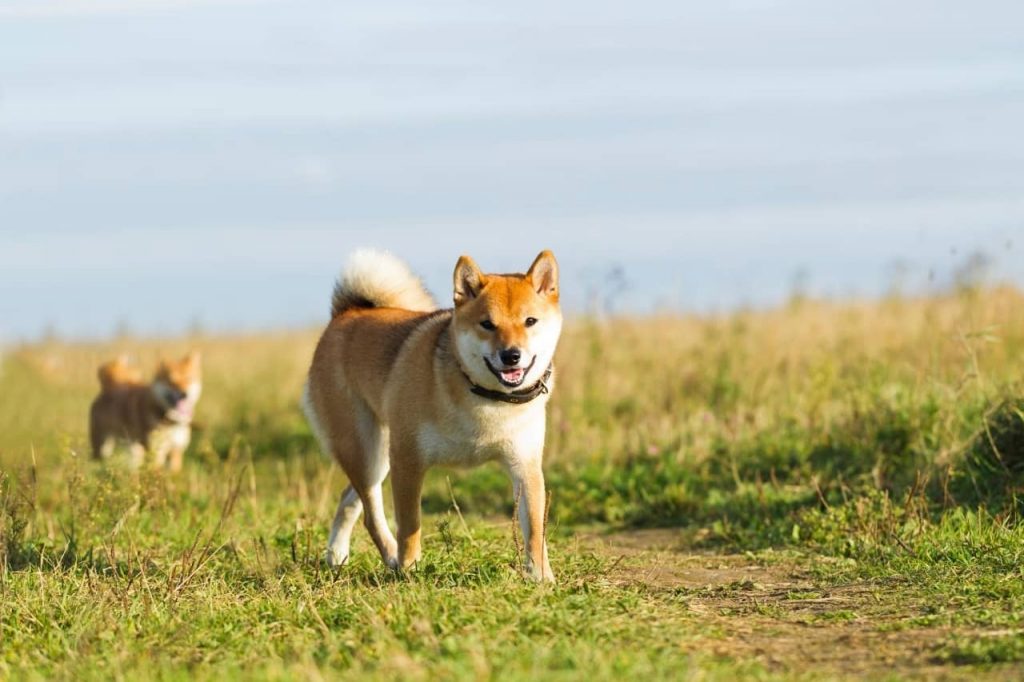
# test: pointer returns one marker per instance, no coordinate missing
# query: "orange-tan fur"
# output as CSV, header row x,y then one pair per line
x,y
150,418
389,390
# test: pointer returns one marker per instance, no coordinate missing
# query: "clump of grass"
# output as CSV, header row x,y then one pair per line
x,y
992,471
14,520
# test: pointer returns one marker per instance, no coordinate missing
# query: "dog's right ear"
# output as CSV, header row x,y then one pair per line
x,y
469,281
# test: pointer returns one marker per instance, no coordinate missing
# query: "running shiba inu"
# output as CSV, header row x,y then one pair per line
x,y
396,384
155,417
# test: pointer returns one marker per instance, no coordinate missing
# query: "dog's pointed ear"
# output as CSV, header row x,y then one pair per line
x,y
544,275
193,358
469,281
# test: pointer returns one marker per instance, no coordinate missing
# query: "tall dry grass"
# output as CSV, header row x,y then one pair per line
x,y
625,386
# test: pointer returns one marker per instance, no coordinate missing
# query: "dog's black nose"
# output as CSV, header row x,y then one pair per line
x,y
510,356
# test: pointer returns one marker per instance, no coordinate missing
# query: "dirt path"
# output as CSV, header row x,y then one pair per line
x,y
772,609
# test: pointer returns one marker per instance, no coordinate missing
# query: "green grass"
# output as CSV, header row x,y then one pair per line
x,y
145,578
829,474
998,648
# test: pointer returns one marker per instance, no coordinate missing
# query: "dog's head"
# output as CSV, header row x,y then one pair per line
x,y
177,386
506,327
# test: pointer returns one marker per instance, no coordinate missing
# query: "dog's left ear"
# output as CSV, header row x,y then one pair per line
x,y
193,358
544,275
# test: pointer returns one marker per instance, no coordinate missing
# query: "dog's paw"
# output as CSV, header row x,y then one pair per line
x,y
336,559
540,574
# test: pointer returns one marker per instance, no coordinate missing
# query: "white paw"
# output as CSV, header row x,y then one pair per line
x,y
336,559
540,574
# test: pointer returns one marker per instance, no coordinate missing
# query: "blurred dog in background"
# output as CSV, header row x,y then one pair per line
x,y
150,418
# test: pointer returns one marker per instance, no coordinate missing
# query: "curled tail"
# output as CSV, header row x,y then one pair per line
x,y
118,372
376,279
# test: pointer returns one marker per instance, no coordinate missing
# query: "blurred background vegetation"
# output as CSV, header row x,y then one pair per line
x,y
732,424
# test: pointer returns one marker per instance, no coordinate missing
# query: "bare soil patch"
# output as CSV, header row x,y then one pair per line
x,y
772,609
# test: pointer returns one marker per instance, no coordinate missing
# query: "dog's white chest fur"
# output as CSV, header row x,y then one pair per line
x,y
491,432
171,436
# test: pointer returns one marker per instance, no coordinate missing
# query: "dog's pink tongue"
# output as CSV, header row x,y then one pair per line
x,y
512,375
184,407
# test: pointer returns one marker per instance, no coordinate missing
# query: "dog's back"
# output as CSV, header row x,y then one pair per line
x,y
376,305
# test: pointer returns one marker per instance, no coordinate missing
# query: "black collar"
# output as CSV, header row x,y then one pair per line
x,y
515,397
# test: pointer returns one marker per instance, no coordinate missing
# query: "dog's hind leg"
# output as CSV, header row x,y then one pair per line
x,y
342,444
136,455
98,439
98,434
348,430
369,485
340,542
103,448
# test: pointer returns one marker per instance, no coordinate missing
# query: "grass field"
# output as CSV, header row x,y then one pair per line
x,y
820,491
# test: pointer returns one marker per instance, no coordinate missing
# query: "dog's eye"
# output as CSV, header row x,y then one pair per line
x,y
530,321
488,325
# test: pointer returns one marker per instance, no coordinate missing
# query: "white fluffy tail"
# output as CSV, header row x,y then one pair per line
x,y
376,279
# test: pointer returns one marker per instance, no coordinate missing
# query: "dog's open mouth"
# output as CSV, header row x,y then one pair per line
x,y
512,377
184,408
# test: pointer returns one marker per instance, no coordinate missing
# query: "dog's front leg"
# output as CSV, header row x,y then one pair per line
x,y
177,458
528,487
407,486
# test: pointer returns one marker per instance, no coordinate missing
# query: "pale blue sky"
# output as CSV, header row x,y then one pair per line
x,y
170,161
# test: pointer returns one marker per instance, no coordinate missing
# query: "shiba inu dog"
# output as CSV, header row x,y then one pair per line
x,y
398,385
154,418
